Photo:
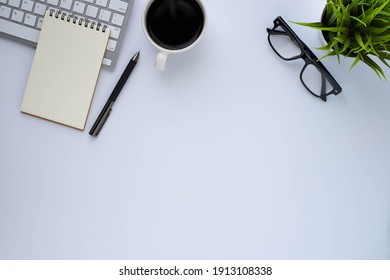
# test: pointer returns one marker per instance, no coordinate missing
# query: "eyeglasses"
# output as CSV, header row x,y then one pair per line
x,y
314,76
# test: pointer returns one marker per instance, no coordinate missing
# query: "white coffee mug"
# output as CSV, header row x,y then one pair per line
x,y
173,26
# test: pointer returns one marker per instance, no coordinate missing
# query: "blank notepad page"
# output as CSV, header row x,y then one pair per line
x,y
65,70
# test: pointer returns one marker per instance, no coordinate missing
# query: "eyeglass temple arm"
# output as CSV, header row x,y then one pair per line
x,y
323,86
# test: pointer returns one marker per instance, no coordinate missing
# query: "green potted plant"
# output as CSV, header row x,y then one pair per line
x,y
356,28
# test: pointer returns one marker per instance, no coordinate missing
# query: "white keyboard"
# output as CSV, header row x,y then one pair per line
x,y
22,19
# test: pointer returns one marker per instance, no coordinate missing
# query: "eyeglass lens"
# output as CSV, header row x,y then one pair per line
x,y
283,44
315,81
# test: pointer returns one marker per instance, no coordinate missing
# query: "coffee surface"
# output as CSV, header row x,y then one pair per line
x,y
174,24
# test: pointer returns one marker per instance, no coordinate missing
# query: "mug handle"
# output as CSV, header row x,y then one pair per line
x,y
161,60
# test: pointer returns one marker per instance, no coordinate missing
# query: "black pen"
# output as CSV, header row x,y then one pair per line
x,y
111,100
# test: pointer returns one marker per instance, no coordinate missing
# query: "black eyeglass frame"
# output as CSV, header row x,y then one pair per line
x,y
307,55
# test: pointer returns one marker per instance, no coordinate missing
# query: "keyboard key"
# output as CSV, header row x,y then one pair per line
x,y
19,30
3,1
101,3
91,11
17,16
107,61
40,9
53,2
115,31
14,3
118,5
66,4
104,15
111,45
79,7
27,5
5,12
40,22
30,20
117,19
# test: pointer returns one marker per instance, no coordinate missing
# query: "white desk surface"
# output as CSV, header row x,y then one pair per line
x,y
222,156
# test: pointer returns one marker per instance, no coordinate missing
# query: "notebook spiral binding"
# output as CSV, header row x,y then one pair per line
x,y
75,19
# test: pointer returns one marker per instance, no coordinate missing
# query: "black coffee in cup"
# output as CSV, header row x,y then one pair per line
x,y
174,24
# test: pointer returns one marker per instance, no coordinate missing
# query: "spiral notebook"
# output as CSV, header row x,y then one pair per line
x,y
65,69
